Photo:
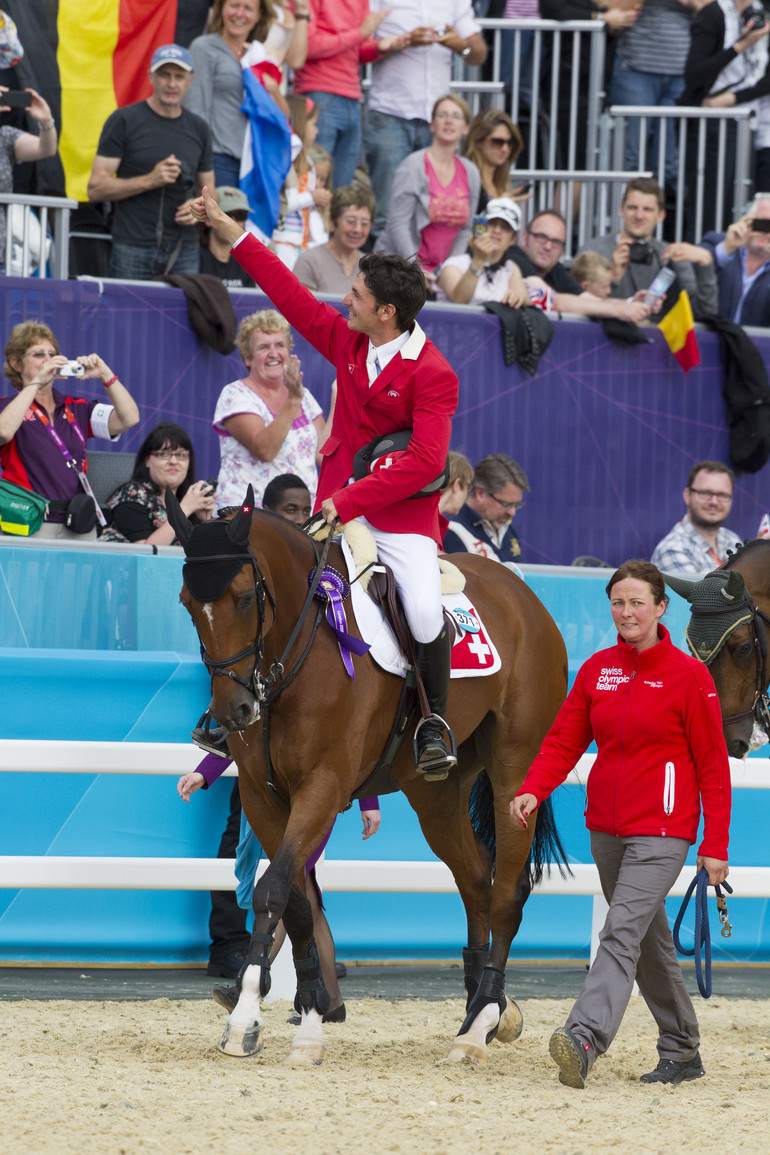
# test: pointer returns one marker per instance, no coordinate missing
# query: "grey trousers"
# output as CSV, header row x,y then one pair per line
x,y
635,943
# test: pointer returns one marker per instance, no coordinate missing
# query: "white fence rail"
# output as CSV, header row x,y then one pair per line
x,y
365,875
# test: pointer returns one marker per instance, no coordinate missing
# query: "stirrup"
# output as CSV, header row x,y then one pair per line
x,y
212,739
434,766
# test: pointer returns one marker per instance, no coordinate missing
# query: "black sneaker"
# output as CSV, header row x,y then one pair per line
x,y
226,997
211,738
571,1057
674,1071
226,966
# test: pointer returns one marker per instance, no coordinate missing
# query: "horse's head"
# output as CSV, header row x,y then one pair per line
x,y
224,592
723,632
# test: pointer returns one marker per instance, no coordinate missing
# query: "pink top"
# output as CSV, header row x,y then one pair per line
x,y
336,48
449,210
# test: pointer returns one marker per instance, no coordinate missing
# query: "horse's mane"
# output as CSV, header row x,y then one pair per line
x,y
746,549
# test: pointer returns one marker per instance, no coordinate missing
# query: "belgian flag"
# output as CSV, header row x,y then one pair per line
x,y
678,327
89,57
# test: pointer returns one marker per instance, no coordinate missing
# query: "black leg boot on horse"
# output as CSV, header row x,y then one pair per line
x,y
433,756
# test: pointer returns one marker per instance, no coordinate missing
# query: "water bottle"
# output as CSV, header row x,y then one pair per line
x,y
660,285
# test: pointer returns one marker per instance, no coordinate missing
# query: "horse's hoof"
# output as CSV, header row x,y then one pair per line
x,y
466,1048
240,1043
511,1022
306,1053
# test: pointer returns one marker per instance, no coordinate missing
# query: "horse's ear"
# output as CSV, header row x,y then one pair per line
x,y
239,528
735,588
681,586
178,519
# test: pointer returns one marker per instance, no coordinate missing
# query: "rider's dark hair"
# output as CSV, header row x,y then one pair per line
x,y
167,435
643,571
392,280
275,489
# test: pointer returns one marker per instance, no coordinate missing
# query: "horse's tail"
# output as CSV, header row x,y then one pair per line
x,y
546,846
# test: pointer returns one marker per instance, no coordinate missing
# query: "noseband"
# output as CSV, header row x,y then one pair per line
x,y
746,613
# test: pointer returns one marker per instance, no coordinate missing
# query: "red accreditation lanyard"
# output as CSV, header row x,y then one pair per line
x,y
41,415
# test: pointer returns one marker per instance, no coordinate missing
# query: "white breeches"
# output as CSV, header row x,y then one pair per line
x,y
414,561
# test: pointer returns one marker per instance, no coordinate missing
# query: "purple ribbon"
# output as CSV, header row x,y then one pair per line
x,y
333,589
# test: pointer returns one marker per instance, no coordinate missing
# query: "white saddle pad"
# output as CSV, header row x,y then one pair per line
x,y
474,654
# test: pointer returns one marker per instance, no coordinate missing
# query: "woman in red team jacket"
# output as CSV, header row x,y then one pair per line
x,y
654,714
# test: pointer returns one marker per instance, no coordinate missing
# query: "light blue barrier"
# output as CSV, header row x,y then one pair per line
x,y
96,646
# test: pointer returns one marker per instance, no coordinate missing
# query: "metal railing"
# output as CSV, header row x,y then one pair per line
x,y
690,214
22,255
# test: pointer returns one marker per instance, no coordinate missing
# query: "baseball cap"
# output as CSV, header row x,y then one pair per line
x,y
232,200
171,54
504,209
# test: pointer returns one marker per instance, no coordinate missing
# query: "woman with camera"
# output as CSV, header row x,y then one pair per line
x,y
136,511
43,432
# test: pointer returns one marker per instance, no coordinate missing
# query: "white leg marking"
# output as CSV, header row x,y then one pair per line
x,y
243,1031
308,1045
473,1044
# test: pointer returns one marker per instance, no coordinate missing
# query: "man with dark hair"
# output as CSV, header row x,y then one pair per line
x,y
699,542
542,245
390,378
484,524
288,496
637,255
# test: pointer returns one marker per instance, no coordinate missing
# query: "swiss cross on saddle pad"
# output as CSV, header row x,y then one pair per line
x,y
473,653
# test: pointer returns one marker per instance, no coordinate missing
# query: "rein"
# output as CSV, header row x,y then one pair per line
x,y
266,689
702,931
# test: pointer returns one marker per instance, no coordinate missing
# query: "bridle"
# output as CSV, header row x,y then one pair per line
x,y
756,619
266,688
220,667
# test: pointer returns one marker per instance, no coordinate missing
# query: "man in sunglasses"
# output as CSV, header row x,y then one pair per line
x,y
484,524
699,542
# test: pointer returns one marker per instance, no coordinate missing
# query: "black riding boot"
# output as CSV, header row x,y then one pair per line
x,y
433,756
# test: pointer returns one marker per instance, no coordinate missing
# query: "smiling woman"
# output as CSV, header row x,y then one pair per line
x,y
136,511
267,423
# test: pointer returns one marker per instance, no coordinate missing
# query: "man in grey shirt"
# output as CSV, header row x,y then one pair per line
x,y
636,255
649,70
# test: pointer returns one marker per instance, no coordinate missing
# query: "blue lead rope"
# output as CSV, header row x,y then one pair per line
x,y
702,932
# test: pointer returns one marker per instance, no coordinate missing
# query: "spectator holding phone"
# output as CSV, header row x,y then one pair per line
x,y
137,509
17,146
742,258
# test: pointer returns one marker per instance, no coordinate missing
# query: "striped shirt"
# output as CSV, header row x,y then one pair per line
x,y
521,10
659,40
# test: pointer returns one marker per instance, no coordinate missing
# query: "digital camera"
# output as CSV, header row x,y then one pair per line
x,y
72,369
640,253
755,12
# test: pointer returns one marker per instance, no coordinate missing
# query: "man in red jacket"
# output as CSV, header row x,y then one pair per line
x,y
390,377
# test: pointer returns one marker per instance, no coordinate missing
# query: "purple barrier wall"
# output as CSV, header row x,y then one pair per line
x,y
606,433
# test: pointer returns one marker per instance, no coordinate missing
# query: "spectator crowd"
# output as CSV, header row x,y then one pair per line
x,y
413,173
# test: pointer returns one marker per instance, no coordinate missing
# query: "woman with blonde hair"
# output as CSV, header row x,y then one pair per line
x,y
267,422
434,194
493,144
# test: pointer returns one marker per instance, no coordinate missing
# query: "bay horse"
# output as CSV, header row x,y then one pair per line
x,y
728,631
306,737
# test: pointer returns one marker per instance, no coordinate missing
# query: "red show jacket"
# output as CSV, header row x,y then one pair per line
x,y
656,721
416,390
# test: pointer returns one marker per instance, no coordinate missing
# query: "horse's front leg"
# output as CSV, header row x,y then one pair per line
x,y
242,1036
